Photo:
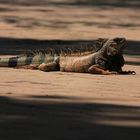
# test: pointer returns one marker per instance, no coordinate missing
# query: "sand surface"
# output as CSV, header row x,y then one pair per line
x,y
58,105
118,89
35,105
65,21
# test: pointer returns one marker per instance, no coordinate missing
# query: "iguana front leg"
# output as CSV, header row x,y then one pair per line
x,y
52,66
94,69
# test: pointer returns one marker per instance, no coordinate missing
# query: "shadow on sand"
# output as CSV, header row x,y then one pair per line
x,y
100,3
17,46
14,46
53,120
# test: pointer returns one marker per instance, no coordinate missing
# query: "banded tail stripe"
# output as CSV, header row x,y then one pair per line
x,y
12,62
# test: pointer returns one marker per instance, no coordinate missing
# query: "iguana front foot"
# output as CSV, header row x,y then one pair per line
x,y
96,70
128,72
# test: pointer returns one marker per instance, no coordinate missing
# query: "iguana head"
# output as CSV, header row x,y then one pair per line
x,y
114,46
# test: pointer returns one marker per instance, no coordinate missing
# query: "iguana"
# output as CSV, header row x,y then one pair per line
x,y
107,60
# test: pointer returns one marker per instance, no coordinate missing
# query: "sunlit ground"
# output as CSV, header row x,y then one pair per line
x,y
70,19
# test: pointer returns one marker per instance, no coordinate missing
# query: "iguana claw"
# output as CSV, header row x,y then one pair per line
x,y
128,72
132,72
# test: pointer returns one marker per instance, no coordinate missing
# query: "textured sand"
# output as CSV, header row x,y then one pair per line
x,y
35,105
123,89
69,22
56,105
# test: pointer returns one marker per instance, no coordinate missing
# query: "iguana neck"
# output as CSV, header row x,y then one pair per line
x,y
103,51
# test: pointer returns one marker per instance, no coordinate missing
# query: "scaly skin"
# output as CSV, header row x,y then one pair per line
x,y
108,60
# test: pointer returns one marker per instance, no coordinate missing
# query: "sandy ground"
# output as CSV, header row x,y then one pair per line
x,y
69,106
69,21
57,105
118,89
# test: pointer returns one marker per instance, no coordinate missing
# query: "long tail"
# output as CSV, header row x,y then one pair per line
x,y
34,58
15,61
8,62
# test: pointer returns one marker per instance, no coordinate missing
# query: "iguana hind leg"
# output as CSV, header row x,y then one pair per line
x,y
52,66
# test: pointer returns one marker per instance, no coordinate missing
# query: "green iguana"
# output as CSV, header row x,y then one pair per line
x,y
107,60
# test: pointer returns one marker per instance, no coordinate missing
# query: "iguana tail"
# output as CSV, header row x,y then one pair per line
x,y
15,61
